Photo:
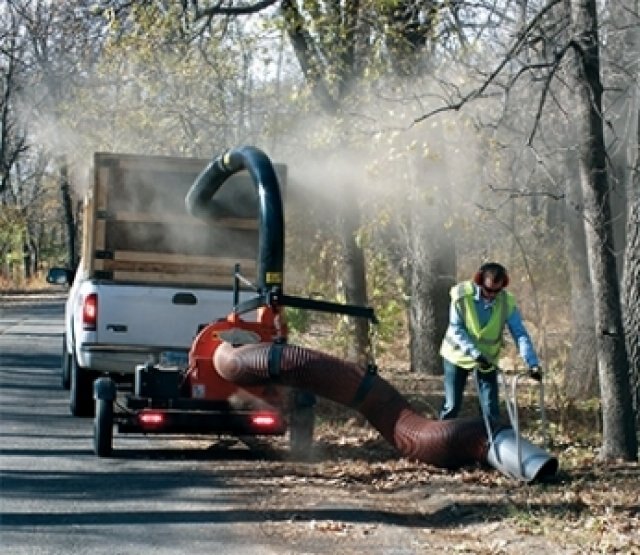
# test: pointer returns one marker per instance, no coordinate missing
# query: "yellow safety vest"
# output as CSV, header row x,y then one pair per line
x,y
488,339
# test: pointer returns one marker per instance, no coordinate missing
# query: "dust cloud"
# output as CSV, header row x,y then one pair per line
x,y
375,157
370,155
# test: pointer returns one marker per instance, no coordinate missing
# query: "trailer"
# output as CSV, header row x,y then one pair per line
x,y
177,395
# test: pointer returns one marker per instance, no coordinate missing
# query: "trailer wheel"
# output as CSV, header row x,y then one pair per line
x,y
301,424
103,428
65,375
81,390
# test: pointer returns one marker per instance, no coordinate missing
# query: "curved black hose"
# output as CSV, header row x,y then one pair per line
x,y
199,202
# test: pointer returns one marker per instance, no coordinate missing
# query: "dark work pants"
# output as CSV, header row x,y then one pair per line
x,y
455,379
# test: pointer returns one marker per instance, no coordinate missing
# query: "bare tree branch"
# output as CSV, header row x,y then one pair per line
x,y
478,92
220,8
545,91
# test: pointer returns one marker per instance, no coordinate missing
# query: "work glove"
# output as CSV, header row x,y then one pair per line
x,y
484,363
535,373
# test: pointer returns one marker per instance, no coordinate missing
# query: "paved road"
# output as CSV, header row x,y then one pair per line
x,y
58,498
160,495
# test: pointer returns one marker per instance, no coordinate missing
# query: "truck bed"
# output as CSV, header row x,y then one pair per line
x,y
137,229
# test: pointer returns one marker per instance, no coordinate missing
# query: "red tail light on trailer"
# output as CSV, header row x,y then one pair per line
x,y
90,312
265,420
151,419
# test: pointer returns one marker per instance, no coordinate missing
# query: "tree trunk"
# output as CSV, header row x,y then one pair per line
x,y
581,373
631,283
432,269
619,105
69,221
429,308
619,436
26,259
354,275
422,313
313,66
35,257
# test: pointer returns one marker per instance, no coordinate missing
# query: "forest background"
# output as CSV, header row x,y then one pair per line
x,y
422,138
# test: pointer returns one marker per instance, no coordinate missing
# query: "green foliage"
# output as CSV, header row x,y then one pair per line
x,y
12,232
11,241
386,295
297,320
322,277
156,92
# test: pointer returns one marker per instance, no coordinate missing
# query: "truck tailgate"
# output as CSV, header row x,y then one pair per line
x,y
155,316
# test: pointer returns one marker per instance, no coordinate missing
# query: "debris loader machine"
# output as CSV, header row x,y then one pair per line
x,y
171,396
243,378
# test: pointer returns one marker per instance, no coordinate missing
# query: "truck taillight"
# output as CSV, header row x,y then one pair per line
x,y
90,312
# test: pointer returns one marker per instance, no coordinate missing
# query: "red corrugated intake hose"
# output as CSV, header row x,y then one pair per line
x,y
446,444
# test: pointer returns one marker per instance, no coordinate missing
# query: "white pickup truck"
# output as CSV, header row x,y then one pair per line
x,y
150,274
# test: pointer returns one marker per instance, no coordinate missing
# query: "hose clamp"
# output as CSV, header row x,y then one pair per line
x,y
275,359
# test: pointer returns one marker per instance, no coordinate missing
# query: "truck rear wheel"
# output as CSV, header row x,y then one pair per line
x,y
65,376
81,390
103,428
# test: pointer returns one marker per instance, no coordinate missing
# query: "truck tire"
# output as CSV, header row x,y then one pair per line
x,y
65,375
103,428
81,390
301,425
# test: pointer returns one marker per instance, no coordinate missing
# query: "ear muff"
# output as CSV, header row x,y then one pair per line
x,y
499,269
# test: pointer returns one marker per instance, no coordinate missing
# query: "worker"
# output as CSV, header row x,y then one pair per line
x,y
478,312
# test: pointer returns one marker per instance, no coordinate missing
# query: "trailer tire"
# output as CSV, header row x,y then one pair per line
x,y
103,428
65,375
80,390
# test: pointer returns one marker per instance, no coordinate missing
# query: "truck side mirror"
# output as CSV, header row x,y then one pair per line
x,y
60,276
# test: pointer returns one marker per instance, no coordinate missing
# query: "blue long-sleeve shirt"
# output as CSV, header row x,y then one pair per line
x,y
458,329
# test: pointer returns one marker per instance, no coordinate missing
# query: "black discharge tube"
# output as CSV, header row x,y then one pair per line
x,y
199,203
